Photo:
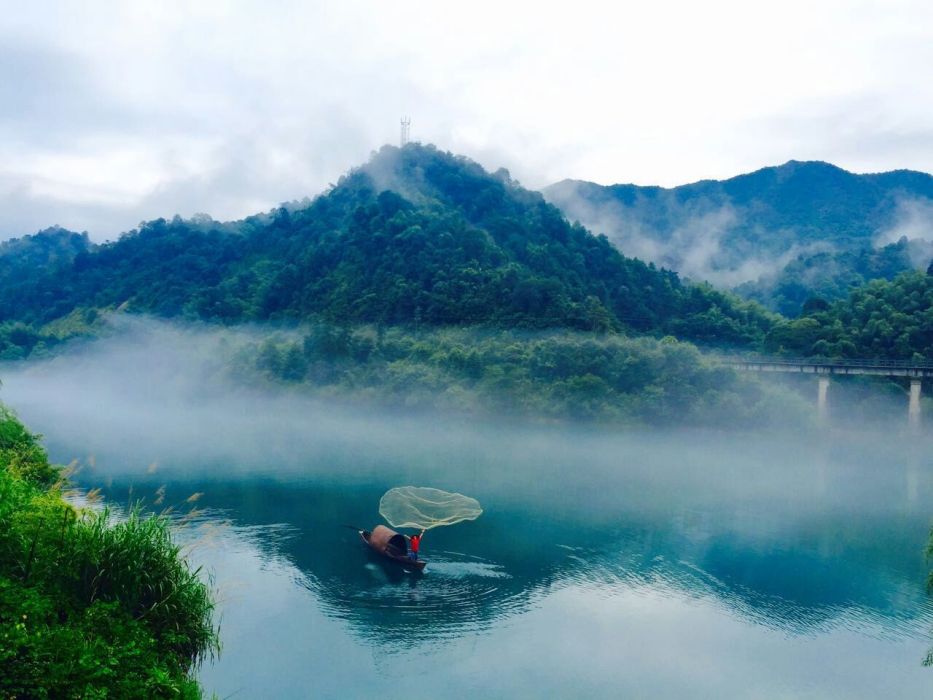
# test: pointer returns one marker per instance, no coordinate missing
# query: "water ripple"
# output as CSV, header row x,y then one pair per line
x,y
459,594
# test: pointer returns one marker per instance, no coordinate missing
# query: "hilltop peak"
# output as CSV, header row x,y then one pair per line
x,y
794,164
424,174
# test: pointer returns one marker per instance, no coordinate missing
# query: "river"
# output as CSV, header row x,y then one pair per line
x,y
661,564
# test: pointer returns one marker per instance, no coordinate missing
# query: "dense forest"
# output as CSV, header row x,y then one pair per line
x,y
890,319
416,236
90,606
541,375
780,234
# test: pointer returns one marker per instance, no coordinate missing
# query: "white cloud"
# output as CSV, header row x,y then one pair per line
x,y
698,246
115,112
913,220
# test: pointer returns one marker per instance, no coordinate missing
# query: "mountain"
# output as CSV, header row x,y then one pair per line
x,y
779,234
415,236
48,248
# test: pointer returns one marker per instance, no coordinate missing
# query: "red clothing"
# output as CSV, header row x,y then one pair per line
x,y
415,542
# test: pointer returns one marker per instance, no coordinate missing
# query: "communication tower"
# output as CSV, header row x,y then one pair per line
x,y
406,126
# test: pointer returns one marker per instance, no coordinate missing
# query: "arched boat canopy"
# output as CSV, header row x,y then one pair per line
x,y
383,539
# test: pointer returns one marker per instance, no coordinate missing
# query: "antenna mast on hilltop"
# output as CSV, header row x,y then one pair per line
x,y
406,126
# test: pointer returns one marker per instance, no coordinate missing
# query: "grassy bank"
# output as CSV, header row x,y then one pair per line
x,y
90,607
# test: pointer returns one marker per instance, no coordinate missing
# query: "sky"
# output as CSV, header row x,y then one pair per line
x,y
112,113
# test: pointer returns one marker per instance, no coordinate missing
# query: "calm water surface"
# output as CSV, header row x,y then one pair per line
x,y
657,565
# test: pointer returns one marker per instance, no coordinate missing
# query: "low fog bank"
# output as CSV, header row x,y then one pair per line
x,y
553,376
165,394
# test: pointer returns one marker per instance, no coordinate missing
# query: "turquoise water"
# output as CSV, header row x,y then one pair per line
x,y
638,564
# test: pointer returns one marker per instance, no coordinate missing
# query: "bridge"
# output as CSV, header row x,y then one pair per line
x,y
916,371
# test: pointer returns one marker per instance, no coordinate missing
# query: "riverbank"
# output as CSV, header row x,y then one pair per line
x,y
89,606
549,375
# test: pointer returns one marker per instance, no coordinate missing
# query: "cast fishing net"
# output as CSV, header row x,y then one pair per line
x,y
421,507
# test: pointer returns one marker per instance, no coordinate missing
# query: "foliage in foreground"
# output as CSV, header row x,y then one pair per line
x,y
90,607
558,375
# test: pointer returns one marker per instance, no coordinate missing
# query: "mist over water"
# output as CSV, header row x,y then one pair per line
x,y
607,563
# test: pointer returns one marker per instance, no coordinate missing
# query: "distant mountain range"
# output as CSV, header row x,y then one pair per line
x,y
415,236
779,235
420,236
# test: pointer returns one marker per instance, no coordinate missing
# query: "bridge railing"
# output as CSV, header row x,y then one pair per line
x,y
869,363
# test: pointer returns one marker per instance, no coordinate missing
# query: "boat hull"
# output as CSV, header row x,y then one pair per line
x,y
400,559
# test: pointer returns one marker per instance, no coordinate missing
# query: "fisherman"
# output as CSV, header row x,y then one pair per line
x,y
414,543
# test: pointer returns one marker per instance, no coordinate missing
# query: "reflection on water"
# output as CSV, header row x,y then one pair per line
x,y
769,549
652,565
461,597
838,568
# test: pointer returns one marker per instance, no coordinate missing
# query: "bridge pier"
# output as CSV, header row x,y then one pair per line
x,y
915,370
913,410
822,404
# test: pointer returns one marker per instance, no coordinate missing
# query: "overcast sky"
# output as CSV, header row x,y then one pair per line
x,y
112,113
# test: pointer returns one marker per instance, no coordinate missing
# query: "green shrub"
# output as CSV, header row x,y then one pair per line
x,y
21,452
47,650
135,564
90,607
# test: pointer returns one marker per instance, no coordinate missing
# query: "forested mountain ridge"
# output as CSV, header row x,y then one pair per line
x,y
780,234
416,235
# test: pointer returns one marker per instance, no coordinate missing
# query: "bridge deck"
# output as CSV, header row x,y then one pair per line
x,y
877,367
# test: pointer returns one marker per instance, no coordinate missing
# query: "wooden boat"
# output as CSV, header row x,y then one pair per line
x,y
392,545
